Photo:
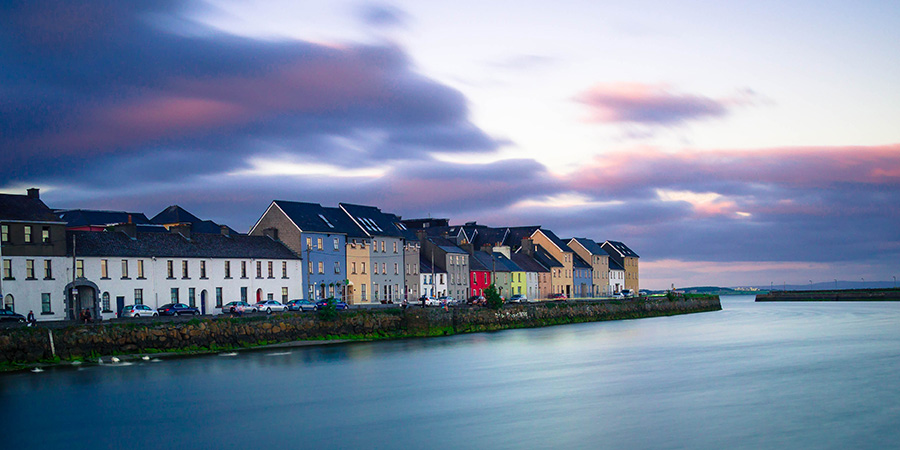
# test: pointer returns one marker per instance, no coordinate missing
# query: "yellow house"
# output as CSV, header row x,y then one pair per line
x,y
561,277
358,270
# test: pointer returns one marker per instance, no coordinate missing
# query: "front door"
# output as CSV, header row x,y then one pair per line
x,y
203,302
120,305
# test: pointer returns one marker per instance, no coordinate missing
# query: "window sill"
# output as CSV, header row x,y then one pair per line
x,y
204,278
141,278
9,279
49,279
170,278
31,278
125,278
48,313
104,278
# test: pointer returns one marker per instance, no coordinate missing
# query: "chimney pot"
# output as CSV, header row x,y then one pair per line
x,y
34,193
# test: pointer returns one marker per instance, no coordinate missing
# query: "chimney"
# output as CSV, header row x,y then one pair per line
x,y
183,229
504,249
224,230
34,193
129,229
468,247
487,248
528,246
129,218
272,233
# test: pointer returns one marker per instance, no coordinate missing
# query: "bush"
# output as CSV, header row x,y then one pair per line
x,y
493,297
329,311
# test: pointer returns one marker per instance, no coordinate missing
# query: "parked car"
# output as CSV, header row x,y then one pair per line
x,y
476,300
557,297
177,309
450,301
301,305
430,301
337,304
237,307
518,298
9,316
270,305
618,295
628,292
138,311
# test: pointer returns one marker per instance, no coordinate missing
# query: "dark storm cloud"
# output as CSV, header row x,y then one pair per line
x,y
94,85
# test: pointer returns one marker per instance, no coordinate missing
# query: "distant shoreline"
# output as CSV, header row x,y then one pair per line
x,y
848,295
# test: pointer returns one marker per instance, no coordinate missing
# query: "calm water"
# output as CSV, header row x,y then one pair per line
x,y
770,375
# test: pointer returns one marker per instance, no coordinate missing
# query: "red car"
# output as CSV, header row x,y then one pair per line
x,y
557,297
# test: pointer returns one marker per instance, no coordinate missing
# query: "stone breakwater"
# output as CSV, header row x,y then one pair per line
x,y
33,344
849,295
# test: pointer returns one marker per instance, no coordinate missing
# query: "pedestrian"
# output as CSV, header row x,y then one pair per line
x,y
31,321
423,301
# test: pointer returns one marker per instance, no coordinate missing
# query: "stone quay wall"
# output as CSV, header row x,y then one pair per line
x,y
23,345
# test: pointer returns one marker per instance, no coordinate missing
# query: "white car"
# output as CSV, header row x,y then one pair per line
x,y
237,308
270,305
518,298
138,311
429,301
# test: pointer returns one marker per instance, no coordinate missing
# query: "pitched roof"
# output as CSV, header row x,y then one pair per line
x,y
173,245
86,217
516,234
425,267
591,246
174,214
555,239
406,233
579,263
622,249
372,220
445,244
527,263
543,257
25,208
313,218
475,264
613,265
508,264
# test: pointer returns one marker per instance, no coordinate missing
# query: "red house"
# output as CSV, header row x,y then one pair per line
x,y
479,277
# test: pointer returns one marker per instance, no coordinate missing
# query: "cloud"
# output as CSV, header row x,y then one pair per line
x,y
105,85
382,15
647,104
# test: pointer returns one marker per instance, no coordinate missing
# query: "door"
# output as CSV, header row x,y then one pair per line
x,y
203,302
120,305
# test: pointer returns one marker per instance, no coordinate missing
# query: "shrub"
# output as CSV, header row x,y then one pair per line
x,y
493,297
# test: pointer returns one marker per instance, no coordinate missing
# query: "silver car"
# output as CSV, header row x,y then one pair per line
x,y
138,311
237,308
270,305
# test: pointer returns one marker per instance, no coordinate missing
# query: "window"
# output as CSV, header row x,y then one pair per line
x,y
284,295
320,244
170,270
395,247
105,300
29,269
271,275
383,268
259,269
336,244
45,235
218,297
4,235
309,266
363,268
396,269
174,293
382,246
192,293
9,302
28,234
353,267
45,303
138,296
270,296
124,269
337,267
79,268
244,294
362,292
140,269
184,269
227,269
48,270
104,269
243,269
203,269
308,242
284,269
321,267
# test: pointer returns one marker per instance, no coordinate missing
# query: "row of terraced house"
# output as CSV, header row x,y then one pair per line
x,y
59,262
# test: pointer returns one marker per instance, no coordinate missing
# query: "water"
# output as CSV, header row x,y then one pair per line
x,y
767,375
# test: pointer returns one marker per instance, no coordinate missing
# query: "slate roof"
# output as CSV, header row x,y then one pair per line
x,y
475,264
527,263
174,214
425,267
578,263
406,233
445,245
86,217
313,218
556,240
372,220
507,264
481,259
173,245
613,265
25,208
545,258
591,246
516,234
622,248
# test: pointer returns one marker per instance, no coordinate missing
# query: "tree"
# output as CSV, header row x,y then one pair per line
x,y
493,297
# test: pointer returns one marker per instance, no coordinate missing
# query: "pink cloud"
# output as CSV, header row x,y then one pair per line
x,y
648,104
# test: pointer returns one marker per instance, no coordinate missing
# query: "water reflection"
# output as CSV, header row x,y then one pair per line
x,y
750,376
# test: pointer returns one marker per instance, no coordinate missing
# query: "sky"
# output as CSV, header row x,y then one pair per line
x,y
728,143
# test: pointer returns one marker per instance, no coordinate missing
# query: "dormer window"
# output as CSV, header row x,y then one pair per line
x,y
326,221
